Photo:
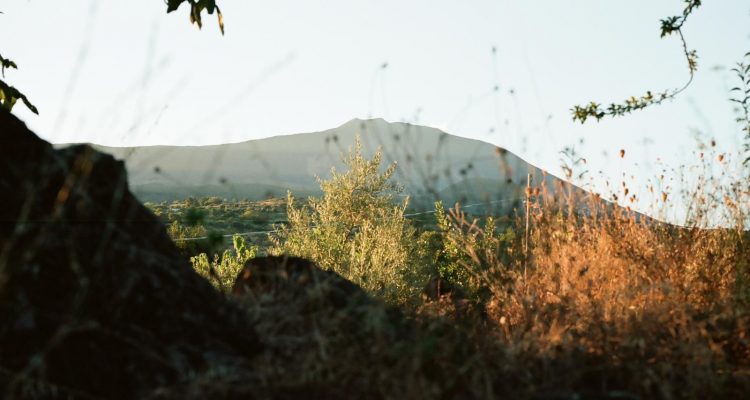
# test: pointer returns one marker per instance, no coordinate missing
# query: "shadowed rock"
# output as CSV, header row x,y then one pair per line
x,y
296,277
95,300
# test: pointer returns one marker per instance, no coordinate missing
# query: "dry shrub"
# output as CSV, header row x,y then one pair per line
x,y
595,302
605,304
605,300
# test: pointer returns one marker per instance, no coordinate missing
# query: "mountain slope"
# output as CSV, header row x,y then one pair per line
x,y
431,165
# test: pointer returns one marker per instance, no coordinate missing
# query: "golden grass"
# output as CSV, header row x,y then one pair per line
x,y
599,303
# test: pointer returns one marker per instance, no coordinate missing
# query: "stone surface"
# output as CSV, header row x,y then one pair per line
x,y
297,277
95,300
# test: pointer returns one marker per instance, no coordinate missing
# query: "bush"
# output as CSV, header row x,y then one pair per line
x,y
248,214
357,230
470,253
184,235
222,270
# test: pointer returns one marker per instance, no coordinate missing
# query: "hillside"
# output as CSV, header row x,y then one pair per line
x,y
431,165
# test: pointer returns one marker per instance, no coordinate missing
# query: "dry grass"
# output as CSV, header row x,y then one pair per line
x,y
610,300
604,304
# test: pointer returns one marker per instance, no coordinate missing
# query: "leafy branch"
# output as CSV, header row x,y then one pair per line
x,y
6,63
741,96
669,26
196,8
9,95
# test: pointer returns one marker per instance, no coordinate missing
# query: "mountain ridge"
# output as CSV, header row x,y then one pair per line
x,y
429,163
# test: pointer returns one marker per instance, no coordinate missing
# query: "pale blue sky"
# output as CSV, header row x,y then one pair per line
x,y
134,75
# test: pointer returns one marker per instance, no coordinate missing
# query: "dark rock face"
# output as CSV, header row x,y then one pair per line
x,y
297,277
94,297
301,307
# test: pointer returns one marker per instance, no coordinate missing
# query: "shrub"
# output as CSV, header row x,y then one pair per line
x,y
247,214
222,270
183,236
357,230
470,252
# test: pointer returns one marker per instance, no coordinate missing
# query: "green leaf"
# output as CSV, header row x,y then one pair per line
x,y
221,20
6,63
196,9
28,105
173,5
10,95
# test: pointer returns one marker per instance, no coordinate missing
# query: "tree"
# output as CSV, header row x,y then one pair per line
x,y
358,230
741,98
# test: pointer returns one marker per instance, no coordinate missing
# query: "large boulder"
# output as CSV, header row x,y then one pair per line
x,y
95,300
297,278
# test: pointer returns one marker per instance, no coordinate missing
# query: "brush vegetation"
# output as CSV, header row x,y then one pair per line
x,y
591,300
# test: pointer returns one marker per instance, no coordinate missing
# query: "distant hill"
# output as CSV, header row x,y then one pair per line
x,y
431,165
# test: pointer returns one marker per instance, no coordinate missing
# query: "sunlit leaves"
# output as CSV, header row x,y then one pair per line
x,y
740,95
221,271
8,94
673,24
595,110
669,26
196,9
358,229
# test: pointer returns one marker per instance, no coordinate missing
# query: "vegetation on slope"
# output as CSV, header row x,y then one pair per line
x,y
589,303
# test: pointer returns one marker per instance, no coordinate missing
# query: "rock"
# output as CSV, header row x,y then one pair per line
x,y
438,287
297,277
95,299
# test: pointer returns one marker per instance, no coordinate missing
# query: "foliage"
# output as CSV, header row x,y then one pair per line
x,y
741,96
194,216
651,302
9,95
207,217
612,306
468,248
669,26
183,237
222,270
196,8
358,231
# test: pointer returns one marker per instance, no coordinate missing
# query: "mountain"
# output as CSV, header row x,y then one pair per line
x,y
431,165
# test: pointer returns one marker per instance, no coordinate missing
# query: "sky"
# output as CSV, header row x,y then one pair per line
x,y
126,73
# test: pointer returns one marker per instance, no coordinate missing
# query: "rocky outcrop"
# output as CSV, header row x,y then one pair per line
x,y
297,278
95,300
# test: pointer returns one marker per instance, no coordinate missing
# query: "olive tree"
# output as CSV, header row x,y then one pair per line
x,y
358,229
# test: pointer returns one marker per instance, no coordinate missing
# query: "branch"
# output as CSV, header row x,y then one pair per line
x,y
741,97
669,26
6,63
10,95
